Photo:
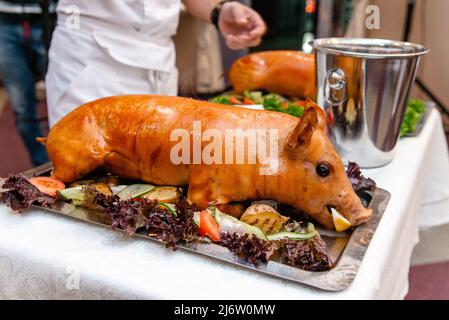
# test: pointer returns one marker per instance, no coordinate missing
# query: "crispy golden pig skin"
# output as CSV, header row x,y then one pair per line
x,y
286,72
130,136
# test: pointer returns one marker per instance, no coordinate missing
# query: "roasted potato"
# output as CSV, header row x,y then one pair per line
x,y
264,217
102,188
163,194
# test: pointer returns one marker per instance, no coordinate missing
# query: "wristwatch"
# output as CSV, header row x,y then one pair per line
x,y
215,13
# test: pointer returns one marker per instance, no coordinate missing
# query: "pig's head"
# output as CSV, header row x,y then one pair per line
x,y
315,171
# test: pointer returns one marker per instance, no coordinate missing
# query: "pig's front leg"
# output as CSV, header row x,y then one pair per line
x,y
205,187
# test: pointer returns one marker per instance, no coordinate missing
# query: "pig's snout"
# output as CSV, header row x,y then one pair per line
x,y
362,216
357,215
353,210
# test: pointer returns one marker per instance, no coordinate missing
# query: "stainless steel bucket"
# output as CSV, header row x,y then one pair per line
x,y
364,86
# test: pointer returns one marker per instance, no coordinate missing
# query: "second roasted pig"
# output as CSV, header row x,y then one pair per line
x,y
284,71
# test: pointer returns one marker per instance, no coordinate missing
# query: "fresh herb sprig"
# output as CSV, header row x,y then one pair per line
x,y
413,115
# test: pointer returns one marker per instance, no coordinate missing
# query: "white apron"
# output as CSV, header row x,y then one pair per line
x,y
109,47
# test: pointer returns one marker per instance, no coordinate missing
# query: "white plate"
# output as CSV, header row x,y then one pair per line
x,y
250,106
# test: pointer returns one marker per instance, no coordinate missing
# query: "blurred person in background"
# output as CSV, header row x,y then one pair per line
x,y
104,48
22,62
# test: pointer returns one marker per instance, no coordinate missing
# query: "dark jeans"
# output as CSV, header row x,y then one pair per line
x,y
20,59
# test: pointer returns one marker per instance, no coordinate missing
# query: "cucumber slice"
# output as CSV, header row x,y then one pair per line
x,y
292,235
217,215
78,195
255,231
310,227
117,189
170,207
134,191
220,216
256,96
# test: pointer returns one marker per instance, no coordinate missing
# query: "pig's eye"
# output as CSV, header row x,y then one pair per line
x,y
322,169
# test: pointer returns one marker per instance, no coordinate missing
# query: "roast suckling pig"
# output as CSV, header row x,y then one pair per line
x,y
141,137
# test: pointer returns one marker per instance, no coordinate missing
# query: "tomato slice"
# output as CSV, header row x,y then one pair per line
x,y
284,104
299,103
248,101
47,185
234,100
208,226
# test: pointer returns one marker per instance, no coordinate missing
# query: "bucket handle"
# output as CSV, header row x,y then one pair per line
x,y
335,86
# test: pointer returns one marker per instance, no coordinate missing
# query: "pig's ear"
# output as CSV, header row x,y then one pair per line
x,y
300,136
319,111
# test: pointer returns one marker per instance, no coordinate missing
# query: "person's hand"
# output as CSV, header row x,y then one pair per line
x,y
241,26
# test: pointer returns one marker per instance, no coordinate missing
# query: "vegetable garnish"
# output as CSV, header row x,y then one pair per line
x,y
78,195
165,194
358,181
159,221
270,101
221,99
301,251
255,96
308,255
135,190
413,114
124,213
265,217
21,194
233,100
248,101
248,247
292,235
230,224
169,228
208,226
47,185
169,207
277,103
309,233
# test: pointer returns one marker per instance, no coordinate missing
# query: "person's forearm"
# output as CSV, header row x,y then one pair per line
x,y
200,9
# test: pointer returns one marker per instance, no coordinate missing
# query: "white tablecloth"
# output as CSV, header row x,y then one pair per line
x,y
43,255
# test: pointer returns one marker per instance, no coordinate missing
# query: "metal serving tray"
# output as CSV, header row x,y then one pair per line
x,y
345,249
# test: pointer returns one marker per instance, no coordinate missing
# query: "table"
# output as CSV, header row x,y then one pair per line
x,y
43,255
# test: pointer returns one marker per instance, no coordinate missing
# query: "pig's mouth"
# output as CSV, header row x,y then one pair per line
x,y
329,208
